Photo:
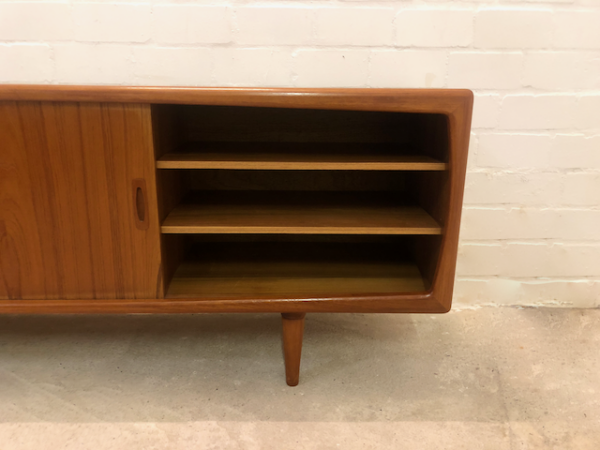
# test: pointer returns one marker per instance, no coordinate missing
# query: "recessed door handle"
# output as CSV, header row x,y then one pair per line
x,y
140,203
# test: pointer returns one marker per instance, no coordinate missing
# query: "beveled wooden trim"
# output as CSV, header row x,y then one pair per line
x,y
408,303
442,101
459,133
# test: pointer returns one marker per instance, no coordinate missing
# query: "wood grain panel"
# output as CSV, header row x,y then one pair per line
x,y
67,210
296,213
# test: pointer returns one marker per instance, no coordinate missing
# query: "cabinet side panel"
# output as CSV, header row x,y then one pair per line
x,y
459,129
67,205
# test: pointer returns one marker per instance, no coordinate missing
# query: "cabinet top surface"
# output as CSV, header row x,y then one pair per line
x,y
408,100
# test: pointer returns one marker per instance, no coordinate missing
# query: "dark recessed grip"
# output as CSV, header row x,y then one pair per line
x,y
140,203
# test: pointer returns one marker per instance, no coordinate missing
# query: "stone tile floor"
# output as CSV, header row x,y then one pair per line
x,y
491,378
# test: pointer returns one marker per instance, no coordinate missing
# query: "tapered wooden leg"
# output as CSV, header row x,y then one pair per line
x,y
293,330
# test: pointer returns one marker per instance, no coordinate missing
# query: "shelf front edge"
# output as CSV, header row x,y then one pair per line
x,y
176,229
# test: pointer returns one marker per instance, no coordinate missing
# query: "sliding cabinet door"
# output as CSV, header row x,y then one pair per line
x,y
78,216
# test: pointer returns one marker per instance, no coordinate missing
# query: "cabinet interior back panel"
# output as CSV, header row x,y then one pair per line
x,y
244,124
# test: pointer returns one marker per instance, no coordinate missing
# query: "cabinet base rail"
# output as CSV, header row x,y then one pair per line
x,y
422,302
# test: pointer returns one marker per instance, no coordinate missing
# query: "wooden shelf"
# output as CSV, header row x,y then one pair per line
x,y
262,212
296,156
293,270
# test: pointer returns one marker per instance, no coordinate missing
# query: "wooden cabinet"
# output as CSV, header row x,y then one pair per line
x,y
172,200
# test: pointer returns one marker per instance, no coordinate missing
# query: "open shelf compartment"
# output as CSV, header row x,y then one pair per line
x,y
299,202
295,203
223,137
296,267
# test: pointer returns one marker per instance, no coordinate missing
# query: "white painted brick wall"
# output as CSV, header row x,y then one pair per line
x,y
531,225
556,70
354,26
575,151
577,29
530,259
521,223
408,68
479,70
27,63
434,28
157,65
539,112
93,63
331,68
513,28
486,110
588,112
272,24
514,151
252,66
111,22
35,22
191,24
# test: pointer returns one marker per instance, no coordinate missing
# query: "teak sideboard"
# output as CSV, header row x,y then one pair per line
x,y
198,200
